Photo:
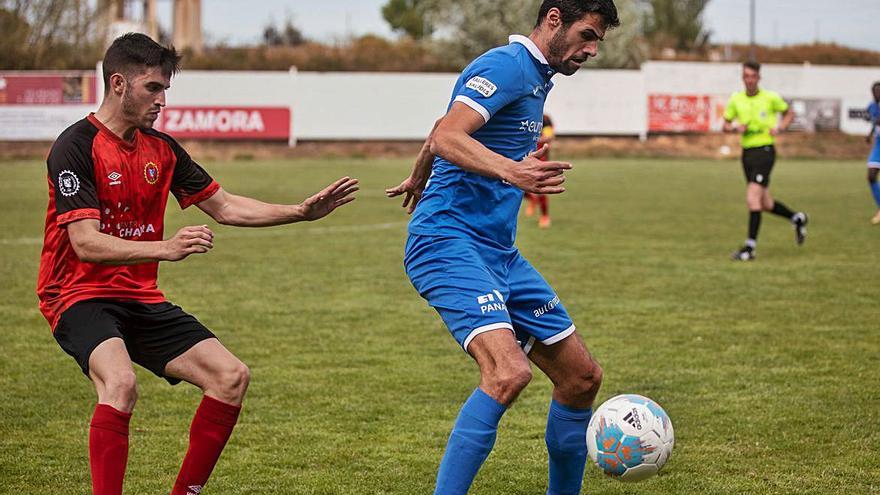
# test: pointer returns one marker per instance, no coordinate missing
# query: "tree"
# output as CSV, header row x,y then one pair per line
x,y
287,35
624,46
408,17
677,24
49,33
475,26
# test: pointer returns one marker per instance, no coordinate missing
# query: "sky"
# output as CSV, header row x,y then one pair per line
x,y
849,22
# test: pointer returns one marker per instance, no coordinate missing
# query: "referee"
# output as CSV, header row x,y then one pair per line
x,y
754,113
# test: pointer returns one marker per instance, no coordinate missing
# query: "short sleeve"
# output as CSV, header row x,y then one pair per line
x,y
730,109
72,176
779,104
874,111
191,184
490,83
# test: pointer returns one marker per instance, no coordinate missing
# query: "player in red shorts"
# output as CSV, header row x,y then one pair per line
x,y
109,179
540,200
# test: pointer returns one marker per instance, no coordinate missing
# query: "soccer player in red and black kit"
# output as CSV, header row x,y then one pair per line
x,y
109,179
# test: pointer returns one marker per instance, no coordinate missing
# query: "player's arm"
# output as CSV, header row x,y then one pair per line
x,y
242,211
93,246
414,185
453,142
787,117
730,124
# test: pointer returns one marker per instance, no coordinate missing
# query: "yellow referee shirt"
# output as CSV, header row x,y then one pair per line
x,y
758,114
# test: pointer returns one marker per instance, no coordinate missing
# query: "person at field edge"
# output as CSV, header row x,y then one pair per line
x,y
541,201
109,178
754,113
460,253
874,158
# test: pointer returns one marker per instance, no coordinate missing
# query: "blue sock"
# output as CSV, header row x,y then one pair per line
x,y
470,442
875,190
567,445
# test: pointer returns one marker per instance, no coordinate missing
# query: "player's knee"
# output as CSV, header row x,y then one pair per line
x,y
233,382
583,385
120,391
509,382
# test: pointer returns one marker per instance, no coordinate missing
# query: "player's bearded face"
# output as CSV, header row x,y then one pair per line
x,y
571,46
144,97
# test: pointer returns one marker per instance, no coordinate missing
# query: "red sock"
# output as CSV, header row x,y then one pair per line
x,y
211,428
108,449
542,201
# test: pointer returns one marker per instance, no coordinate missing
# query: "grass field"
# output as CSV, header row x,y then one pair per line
x,y
770,370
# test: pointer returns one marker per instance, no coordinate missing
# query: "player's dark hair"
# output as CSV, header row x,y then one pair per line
x,y
572,11
751,64
875,85
132,52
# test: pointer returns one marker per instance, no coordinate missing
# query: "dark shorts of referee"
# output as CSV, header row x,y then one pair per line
x,y
758,163
154,334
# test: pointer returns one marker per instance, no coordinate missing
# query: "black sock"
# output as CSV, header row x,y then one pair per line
x,y
780,209
754,225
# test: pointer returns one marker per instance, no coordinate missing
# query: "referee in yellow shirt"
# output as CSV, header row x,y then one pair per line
x,y
754,113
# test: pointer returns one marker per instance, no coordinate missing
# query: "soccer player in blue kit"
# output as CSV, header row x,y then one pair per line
x,y
464,192
874,158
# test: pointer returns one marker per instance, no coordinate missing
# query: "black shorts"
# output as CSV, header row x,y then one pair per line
x,y
154,334
758,163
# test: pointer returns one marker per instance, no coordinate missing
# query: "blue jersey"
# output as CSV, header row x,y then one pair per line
x,y
874,113
507,86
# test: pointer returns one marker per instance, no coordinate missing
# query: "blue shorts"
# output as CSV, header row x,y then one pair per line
x,y
477,288
874,157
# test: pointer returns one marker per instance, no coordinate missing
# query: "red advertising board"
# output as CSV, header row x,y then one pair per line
x,y
47,89
260,123
679,113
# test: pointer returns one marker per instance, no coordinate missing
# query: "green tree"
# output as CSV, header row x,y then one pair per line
x,y
677,24
408,17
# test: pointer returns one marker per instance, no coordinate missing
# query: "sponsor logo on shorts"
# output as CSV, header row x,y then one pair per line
x,y
491,302
482,85
68,183
546,308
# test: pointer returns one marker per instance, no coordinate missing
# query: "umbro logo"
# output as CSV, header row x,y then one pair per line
x,y
114,178
194,490
632,418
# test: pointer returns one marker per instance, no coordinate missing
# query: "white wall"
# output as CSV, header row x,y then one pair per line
x,y
344,105
354,106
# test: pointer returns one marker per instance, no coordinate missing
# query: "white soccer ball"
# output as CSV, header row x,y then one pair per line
x,y
630,437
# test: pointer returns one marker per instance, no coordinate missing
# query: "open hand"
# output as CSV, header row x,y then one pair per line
x,y
328,199
412,188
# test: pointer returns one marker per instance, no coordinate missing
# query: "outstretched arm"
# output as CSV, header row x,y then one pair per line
x,y
241,211
452,141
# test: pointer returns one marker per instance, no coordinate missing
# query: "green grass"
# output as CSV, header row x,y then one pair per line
x,y
769,369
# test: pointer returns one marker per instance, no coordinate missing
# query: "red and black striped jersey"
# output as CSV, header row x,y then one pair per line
x,y
95,174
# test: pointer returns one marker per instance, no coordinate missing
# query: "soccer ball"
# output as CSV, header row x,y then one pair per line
x,y
630,437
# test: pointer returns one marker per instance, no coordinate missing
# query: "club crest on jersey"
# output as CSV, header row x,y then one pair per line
x,y
68,183
151,173
482,85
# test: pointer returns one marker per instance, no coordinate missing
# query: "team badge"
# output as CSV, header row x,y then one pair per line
x,y
68,183
151,173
